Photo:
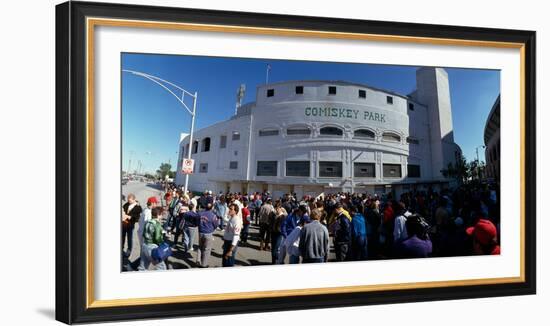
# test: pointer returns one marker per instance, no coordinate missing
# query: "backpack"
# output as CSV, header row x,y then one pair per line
x,y
161,252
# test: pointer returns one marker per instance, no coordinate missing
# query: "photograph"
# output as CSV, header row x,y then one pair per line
x,y
233,161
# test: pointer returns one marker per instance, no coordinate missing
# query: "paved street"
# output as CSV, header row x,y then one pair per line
x,y
247,254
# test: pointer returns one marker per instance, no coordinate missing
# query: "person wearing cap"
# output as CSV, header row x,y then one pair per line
x,y
484,236
314,239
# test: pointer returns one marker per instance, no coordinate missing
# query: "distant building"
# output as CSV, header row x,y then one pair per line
x,y
492,142
311,137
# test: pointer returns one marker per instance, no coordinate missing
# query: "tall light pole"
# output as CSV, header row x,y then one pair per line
x,y
477,155
162,83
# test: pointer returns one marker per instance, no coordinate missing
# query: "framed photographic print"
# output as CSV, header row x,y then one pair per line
x,y
213,162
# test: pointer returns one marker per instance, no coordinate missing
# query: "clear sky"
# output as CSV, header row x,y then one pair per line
x,y
152,119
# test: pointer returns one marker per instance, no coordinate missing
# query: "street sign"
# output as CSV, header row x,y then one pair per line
x,y
187,166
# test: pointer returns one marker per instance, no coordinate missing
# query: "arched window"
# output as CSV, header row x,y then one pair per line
x,y
195,147
363,134
391,136
205,147
331,131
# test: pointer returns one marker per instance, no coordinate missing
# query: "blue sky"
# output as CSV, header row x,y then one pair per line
x,y
152,119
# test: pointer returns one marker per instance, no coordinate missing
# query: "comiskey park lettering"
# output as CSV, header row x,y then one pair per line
x,y
344,113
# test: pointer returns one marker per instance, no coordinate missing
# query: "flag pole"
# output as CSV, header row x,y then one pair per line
x,y
267,73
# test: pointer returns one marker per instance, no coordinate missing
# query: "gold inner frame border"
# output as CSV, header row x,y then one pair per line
x,y
92,22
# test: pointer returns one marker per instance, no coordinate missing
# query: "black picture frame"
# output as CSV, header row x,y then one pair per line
x,y
72,298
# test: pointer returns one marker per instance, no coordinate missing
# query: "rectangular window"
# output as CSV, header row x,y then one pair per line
x,y
267,168
299,89
413,171
411,106
270,92
223,141
412,140
392,170
233,165
362,93
268,133
297,168
332,90
364,170
330,169
203,168
389,99
298,131
236,135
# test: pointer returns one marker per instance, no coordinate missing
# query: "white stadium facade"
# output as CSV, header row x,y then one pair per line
x,y
310,137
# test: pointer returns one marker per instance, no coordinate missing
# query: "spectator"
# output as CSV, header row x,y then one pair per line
x,y
484,236
131,212
207,226
231,236
314,240
152,238
418,244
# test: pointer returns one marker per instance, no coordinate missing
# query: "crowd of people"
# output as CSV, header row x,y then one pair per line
x,y
357,226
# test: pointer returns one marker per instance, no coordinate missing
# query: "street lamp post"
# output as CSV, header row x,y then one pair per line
x,y
477,155
162,83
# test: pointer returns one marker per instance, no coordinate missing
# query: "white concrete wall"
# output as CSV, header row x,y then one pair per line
x,y
316,109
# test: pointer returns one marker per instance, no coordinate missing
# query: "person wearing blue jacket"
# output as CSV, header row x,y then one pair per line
x,y
342,237
358,235
293,219
207,225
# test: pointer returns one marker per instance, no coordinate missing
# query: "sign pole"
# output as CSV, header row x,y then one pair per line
x,y
191,138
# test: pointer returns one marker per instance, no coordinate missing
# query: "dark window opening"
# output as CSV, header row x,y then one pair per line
x,y
413,171
412,140
205,145
299,89
297,168
298,131
331,131
270,92
362,93
392,170
332,90
364,170
330,169
389,99
271,132
233,165
411,106
267,168
363,133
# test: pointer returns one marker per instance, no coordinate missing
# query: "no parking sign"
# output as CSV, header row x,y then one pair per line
x,y
187,166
